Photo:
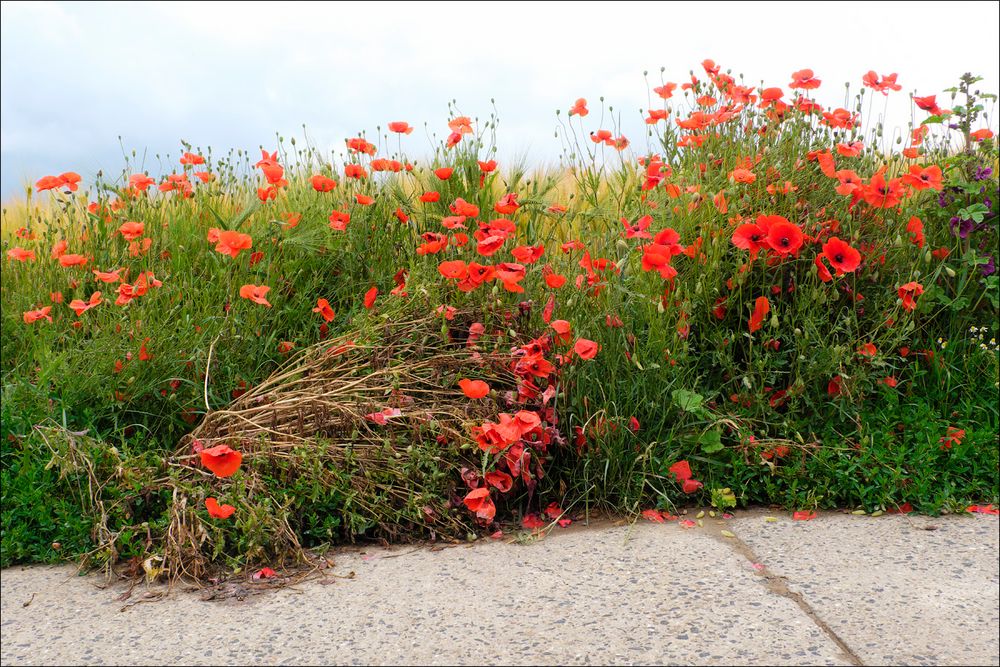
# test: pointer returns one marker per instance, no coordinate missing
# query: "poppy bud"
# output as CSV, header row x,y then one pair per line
x,y
659,307
927,257
797,332
774,319
950,271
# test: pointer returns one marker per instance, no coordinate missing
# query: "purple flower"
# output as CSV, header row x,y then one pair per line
x,y
982,173
989,268
964,226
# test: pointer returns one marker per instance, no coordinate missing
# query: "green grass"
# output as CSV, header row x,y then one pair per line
x,y
683,363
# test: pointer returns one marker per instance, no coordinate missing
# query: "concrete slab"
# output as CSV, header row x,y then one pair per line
x,y
650,594
896,589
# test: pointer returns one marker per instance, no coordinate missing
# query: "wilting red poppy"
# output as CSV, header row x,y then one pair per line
x,y
915,228
479,501
868,350
324,309
499,480
563,330
80,307
370,297
222,460
32,316
908,294
256,293
804,515
841,256
474,388
681,470
761,307
587,349
217,511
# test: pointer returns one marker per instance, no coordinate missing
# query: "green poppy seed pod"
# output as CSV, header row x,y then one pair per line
x,y
797,332
950,271
927,257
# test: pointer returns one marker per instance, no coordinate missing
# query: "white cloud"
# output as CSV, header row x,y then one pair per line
x,y
75,76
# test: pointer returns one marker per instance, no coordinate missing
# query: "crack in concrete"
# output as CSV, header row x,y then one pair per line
x,y
775,583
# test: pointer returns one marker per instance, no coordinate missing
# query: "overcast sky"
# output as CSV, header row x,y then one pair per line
x,y
76,76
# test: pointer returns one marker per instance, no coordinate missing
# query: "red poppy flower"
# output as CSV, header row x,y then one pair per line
x,y
229,242
479,501
324,309
868,350
32,316
587,349
20,254
322,183
761,307
132,230
474,388
908,294
370,297
579,108
400,127
355,171
841,256
454,269
80,307
804,79
444,173
563,330
750,237
681,470
922,178
915,228
217,511
499,480
782,236
72,260
690,485
221,460
256,293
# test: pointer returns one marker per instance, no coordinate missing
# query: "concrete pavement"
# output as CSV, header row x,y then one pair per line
x,y
836,590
